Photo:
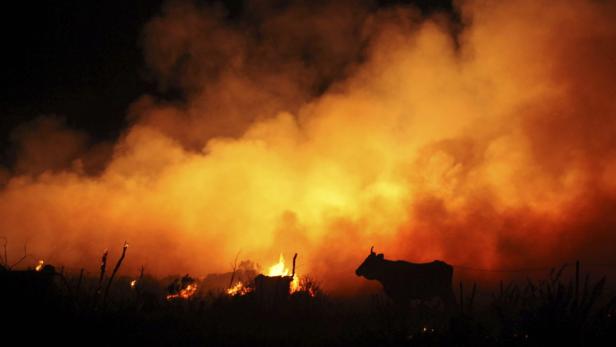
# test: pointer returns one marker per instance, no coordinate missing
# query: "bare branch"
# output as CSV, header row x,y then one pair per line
x,y
294,258
6,259
234,269
102,274
115,270
22,258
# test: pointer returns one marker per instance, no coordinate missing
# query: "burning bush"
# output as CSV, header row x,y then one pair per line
x,y
278,284
182,288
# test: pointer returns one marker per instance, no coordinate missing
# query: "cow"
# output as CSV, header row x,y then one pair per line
x,y
403,281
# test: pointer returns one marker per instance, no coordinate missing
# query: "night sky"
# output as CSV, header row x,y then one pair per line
x,y
83,61
78,60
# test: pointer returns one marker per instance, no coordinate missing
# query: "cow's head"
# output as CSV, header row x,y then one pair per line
x,y
370,267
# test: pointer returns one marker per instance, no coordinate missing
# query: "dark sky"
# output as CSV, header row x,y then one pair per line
x,y
77,59
82,60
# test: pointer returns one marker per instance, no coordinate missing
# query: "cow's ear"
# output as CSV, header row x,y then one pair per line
x,y
380,255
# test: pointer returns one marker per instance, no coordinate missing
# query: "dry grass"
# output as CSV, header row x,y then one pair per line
x,y
537,313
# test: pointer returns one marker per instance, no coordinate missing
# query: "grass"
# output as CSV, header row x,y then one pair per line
x,y
535,313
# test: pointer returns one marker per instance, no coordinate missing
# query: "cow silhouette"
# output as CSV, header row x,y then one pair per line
x,y
403,281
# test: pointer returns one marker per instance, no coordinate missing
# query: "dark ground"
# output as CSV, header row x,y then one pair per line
x,y
58,309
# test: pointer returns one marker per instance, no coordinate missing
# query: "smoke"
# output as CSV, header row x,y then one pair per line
x,y
234,72
47,145
325,129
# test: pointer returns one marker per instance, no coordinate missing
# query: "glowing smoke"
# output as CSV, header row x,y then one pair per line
x,y
325,130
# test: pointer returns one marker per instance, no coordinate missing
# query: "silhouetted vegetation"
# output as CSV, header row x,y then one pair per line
x,y
67,308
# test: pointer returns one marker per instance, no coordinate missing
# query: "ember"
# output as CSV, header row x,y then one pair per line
x,y
39,265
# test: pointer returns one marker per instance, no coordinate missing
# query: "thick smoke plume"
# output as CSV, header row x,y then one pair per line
x,y
486,139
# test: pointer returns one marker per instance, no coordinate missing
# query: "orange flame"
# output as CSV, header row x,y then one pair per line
x,y
238,289
184,293
39,265
475,151
279,269
133,283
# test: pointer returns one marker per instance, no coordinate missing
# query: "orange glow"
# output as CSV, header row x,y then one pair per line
x,y
279,269
133,283
184,293
238,289
490,146
39,265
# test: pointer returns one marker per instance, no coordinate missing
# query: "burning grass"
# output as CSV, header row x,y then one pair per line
x,y
278,275
182,288
141,311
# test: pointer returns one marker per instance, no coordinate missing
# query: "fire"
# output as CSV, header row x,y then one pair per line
x,y
279,269
238,289
467,148
182,288
39,265
133,283
184,293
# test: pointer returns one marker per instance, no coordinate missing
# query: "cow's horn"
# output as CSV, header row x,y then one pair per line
x,y
372,250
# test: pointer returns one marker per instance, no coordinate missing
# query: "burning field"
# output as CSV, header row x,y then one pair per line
x,y
483,136
480,133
